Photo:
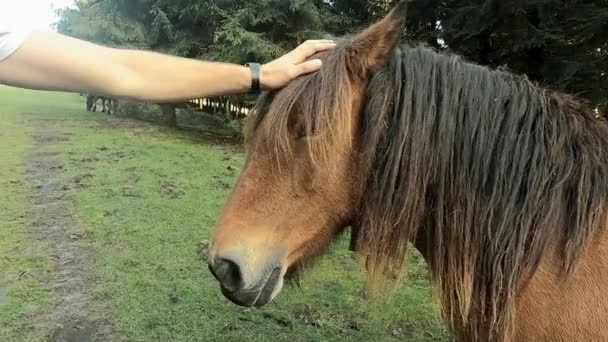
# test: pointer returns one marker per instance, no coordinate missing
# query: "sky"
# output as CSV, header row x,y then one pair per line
x,y
31,14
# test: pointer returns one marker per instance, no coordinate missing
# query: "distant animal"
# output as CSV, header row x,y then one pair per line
x,y
500,184
109,105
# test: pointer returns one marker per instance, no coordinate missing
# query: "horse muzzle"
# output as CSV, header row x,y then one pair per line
x,y
241,285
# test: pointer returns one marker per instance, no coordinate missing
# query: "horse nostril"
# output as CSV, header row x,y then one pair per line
x,y
227,273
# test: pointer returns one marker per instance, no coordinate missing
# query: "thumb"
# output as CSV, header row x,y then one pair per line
x,y
308,67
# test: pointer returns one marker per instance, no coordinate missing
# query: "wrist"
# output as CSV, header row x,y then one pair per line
x,y
244,78
264,78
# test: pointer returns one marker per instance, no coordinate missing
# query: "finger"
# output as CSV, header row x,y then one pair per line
x,y
314,41
312,47
322,46
308,67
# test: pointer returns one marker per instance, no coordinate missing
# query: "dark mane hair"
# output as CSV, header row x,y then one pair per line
x,y
492,172
488,170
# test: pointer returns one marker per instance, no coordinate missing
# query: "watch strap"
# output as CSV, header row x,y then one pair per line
x,y
255,76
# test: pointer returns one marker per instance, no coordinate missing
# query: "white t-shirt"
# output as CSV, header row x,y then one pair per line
x,y
10,40
18,19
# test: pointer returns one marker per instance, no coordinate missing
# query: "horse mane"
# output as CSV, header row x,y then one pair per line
x,y
487,169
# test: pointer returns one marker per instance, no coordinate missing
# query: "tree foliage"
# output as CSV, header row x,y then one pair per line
x,y
229,30
559,43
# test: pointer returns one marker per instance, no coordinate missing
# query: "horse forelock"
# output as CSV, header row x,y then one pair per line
x,y
489,169
315,106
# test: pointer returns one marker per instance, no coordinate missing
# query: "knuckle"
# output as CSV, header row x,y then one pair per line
x,y
293,72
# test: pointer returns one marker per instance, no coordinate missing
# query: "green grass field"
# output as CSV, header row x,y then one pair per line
x,y
144,197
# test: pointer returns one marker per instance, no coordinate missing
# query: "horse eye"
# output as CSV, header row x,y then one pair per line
x,y
301,134
299,131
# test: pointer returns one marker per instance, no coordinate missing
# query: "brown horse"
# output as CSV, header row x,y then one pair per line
x,y
107,103
501,185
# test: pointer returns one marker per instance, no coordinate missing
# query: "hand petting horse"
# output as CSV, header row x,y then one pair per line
x,y
501,185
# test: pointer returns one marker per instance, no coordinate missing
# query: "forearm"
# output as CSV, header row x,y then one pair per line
x,y
50,61
156,77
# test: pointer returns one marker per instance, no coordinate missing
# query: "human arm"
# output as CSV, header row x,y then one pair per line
x,y
51,61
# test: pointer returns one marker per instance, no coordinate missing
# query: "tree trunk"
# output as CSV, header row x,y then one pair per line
x,y
603,109
536,55
169,115
484,49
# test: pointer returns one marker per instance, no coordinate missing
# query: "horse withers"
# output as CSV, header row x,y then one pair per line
x,y
499,183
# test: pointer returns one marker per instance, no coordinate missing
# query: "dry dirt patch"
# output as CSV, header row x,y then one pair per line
x,y
53,228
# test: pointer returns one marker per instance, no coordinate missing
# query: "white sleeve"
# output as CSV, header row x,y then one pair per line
x,y
11,40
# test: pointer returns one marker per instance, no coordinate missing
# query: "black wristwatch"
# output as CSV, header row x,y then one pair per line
x,y
255,76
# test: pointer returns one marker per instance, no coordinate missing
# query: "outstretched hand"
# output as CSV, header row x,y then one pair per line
x,y
279,72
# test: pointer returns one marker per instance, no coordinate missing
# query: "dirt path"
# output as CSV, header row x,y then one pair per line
x,y
54,229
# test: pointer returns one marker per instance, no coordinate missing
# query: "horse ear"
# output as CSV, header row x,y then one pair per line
x,y
370,48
